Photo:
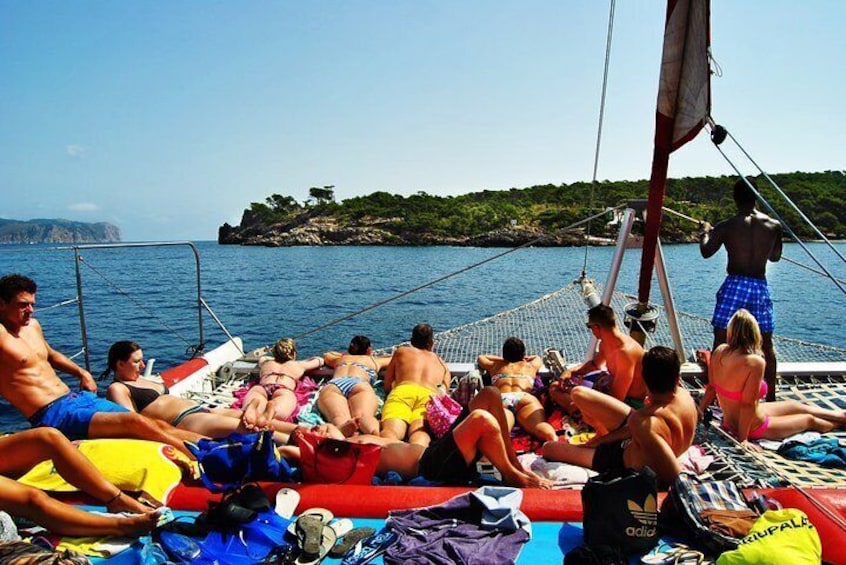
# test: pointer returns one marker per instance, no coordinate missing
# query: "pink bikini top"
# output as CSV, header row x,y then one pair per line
x,y
736,394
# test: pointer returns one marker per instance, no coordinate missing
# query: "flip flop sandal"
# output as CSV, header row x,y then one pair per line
x,y
370,548
348,540
327,542
341,526
287,500
325,514
312,529
673,554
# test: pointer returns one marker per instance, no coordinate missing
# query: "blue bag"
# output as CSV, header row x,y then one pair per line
x,y
228,462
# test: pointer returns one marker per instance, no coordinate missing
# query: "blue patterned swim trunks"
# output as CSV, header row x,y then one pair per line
x,y
744,292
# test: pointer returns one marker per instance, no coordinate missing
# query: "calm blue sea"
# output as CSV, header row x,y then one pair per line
x,y
261,294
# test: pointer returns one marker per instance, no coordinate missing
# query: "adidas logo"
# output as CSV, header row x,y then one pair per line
x,y
646,515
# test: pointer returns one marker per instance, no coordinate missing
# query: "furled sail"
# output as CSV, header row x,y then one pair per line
x,y
684,103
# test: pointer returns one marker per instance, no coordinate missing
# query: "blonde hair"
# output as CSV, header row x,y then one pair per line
x,y
284,350
743,333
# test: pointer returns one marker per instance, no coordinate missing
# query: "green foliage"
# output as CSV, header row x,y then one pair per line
x,y
821,197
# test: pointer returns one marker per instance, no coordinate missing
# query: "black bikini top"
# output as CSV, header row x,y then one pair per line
x,y
143,396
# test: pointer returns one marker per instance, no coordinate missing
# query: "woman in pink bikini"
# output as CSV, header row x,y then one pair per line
x,y
736,379
273,394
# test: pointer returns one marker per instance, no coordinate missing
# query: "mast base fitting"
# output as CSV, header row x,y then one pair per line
x,y
646,317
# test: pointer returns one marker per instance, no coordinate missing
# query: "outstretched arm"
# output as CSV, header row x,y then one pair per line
x,y
488,362
390,374
710,240
331,358
707,399
62,363
775,252
312,363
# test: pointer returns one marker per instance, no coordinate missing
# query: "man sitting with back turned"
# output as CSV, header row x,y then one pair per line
x,y
28,380
414,374
654,436
620,355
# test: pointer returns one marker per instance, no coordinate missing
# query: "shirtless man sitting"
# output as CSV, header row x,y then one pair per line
x,y
653,436
618,354
414,374
28,380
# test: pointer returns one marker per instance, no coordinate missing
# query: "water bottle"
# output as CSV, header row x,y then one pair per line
x,y
152,553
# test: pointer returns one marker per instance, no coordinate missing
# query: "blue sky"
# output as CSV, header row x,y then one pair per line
x,y
169,118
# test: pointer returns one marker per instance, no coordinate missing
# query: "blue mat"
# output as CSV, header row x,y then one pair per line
x,y
550,541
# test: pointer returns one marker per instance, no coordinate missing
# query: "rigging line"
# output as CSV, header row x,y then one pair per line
x,y
806,267
445,277
790,232
220,324
787,198
416,289
680,215
609,36
137,303
58,304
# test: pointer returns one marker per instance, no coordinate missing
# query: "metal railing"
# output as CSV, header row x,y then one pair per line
x,y
201,304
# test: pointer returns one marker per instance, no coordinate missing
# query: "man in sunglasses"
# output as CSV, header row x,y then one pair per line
x,y
614,372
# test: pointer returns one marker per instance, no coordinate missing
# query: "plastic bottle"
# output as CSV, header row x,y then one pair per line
x,y
152,553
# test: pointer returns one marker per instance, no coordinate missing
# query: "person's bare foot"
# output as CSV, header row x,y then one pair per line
x,y
250,416
125,503
265,419
350,427
527,480
137,524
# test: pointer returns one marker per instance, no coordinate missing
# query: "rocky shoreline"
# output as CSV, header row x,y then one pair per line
x,y
328,231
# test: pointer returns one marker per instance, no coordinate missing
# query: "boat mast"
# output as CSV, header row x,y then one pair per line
x,y
684,102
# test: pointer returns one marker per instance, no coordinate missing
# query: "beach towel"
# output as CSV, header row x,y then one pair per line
x,y
133,465
825,451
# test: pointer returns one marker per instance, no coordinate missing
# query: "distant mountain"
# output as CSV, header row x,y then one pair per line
x,y
57,231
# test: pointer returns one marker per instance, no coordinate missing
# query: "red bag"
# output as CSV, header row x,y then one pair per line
x,y
335,461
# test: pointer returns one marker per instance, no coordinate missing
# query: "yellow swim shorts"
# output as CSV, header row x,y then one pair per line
x,y
407,402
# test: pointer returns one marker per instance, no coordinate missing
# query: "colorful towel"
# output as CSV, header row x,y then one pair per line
x,y
825,451
133,465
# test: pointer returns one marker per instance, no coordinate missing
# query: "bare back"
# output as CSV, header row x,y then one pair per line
x,y
660,434
27,380
287,373
418,366
751,239
514,376
740,373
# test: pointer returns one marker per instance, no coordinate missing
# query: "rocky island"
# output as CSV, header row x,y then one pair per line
x,y
544,215
56,231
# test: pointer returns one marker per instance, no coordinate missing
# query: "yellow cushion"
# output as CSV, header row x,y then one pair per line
x,y
130,464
